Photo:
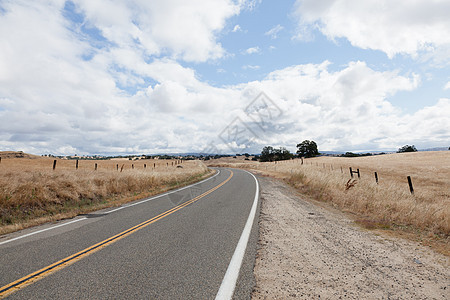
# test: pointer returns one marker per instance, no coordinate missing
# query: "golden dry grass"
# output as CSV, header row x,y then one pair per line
x,y
31,192
388,204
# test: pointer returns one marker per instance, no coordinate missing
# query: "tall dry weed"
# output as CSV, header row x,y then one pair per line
x,y
388,203
30,189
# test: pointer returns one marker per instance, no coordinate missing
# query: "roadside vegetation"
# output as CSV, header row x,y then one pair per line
x,y
386,205
31,192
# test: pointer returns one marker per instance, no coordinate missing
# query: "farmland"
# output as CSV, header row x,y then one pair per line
x,y
387,204
32,192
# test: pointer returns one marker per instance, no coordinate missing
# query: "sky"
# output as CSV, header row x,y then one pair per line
x,y
116,77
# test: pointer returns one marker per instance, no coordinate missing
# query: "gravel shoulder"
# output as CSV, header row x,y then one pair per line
x,y
310,251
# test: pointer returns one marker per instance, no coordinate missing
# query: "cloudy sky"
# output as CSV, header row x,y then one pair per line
x,y
122,77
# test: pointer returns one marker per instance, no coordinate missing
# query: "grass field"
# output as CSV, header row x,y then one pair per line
x,y
388,204
31,192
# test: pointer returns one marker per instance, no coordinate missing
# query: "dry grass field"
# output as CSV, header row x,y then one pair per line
x,y
388,204
31,192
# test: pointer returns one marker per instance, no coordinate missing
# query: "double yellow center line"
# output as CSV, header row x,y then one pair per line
x,y
29,279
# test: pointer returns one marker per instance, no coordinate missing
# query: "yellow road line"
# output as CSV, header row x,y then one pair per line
x,y
33,277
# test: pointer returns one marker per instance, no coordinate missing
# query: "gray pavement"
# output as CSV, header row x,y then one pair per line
x,y
182,256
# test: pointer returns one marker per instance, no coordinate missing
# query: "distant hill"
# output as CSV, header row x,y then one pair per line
x,y
17,154
435,149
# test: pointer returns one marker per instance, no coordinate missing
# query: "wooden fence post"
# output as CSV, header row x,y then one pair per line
x,y
54,164
145,166
411,189
357,172
121,169
76,165
95,166
376,177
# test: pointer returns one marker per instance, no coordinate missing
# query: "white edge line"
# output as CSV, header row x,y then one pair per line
x,y
228,285
42,230
119,208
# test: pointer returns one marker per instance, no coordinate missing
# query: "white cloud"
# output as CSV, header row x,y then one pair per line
x,y
346,109
182,29
394,27
434,123
447,86
341,110
273,32
252,50
67,94
236,28
52,97
251,67
249,4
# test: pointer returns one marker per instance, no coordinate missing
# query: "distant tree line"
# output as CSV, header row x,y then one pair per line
x,y
305,149
309,149
351,154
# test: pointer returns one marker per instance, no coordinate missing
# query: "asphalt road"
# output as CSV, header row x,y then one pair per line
x,y
176,246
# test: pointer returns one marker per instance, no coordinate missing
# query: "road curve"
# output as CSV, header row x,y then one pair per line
x,y
173,246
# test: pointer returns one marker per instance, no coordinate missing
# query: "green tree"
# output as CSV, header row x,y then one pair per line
x,y
407,148
273,154
267,154
282,154
307,149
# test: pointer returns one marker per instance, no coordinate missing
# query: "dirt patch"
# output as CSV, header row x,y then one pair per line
x,y
310,251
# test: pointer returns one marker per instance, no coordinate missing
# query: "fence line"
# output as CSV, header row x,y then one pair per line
x,y
358,172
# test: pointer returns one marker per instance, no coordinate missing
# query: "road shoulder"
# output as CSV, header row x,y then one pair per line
x,y
310,251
